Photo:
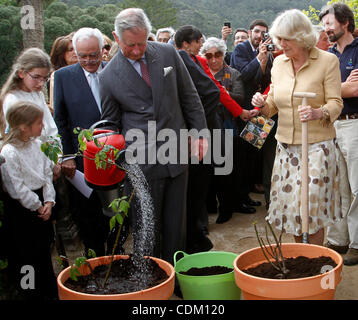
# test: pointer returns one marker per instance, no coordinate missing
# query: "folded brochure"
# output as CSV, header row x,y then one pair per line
x,y
257,130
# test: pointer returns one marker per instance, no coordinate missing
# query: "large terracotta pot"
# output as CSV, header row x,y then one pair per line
x,y
320,287
163,291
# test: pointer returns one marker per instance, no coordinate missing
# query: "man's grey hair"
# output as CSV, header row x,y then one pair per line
x,y
170,30
214,42
131,18
85,34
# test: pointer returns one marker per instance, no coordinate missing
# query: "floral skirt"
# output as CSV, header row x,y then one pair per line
x,y
323,183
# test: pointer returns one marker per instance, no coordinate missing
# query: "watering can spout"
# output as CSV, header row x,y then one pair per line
x,y
124,156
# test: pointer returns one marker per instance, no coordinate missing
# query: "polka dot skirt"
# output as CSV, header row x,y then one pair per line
x,y
323,178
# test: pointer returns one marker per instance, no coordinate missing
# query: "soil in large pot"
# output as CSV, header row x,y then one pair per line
x,y
299,267
127,275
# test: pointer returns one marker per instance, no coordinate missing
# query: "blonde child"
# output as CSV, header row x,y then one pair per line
x,y
28,201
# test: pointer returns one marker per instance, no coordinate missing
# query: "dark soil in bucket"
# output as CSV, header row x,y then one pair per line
x,y
127,275
207,271
299,267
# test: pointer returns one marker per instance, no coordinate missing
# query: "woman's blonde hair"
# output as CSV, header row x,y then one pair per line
x,y
294,25
29,59
20,113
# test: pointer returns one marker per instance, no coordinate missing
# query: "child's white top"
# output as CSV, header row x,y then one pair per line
x,y
26,168
37,97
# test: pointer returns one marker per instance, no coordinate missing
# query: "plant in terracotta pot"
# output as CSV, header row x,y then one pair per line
x,y
97,278
282,271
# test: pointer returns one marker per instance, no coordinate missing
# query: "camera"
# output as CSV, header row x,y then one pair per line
x,y
265,36
227,24
270,47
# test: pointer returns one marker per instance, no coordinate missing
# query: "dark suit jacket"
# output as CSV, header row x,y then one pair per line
x,y
74,106
244,60
172,101
208,92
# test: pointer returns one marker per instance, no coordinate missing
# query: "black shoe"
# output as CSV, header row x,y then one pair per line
x,y
244,208
204,244
223,217
252,203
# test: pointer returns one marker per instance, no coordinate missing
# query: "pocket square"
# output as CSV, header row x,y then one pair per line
x,y
167,70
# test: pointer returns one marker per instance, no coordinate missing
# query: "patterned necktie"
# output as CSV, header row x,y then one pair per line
x,y
95,89
144,71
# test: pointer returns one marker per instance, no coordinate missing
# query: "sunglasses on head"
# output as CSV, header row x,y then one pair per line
x,y
107,46
217,54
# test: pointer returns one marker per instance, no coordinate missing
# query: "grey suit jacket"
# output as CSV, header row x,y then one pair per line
x,y
172,101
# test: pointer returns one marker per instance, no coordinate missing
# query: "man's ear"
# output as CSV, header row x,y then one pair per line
x,y
345,25
185,45
115,37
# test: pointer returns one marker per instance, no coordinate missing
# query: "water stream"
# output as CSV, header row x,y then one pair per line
x,y
142,206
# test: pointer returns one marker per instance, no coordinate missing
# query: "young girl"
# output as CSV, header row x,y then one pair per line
x,y
28,201
30,72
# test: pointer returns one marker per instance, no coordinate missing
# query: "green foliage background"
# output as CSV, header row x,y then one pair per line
x,y
63,17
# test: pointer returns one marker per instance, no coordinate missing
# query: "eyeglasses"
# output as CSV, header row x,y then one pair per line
x,y
107,46
38,77
90,58
217,54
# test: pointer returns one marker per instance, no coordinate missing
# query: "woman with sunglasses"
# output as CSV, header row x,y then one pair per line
x,y
106,48
62,54
214,50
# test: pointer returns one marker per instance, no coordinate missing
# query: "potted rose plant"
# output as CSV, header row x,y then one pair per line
x,y
277,256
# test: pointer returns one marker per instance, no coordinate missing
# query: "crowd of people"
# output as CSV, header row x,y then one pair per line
x,y
203,86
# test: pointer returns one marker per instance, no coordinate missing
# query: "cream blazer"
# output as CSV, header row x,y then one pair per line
x,y
321,75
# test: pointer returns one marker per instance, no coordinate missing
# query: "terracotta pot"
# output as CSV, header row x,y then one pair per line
x,y
320,287
163,291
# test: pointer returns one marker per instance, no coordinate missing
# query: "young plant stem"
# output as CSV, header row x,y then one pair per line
x,y
274,252
92,274
278,248
264,249
115,245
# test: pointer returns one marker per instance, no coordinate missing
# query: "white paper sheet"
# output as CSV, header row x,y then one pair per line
x,y
79,183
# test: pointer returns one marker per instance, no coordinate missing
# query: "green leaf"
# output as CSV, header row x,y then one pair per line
x,y
88,134
124,206
80,261
97,143
91,253
112,223
119,218
74,272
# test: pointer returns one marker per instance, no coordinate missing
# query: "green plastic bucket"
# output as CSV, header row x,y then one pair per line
x,y
215,287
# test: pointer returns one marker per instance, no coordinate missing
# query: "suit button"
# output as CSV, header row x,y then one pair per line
x,y
142,108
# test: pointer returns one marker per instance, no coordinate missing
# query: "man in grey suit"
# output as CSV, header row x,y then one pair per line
x,y
145,86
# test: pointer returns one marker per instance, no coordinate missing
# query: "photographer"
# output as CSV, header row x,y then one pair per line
x,y
253,58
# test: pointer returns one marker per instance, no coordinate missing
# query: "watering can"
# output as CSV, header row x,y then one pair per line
x,y
107,181
109,178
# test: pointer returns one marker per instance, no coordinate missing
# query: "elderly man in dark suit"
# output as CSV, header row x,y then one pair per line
x,y
147,82
77,104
